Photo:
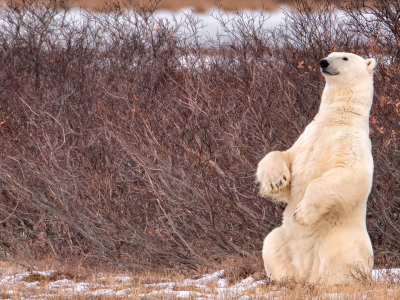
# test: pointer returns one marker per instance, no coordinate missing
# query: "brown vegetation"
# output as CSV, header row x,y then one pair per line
x,y
130,141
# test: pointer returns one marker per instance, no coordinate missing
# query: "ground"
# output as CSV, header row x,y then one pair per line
x,y
235,282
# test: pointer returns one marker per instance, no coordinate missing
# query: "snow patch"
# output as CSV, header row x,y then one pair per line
x,y
122,278
390,275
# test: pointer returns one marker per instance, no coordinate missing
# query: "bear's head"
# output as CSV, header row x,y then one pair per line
x,y
344,69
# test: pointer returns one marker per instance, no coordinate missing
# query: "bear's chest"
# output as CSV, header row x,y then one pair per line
x,y
320,149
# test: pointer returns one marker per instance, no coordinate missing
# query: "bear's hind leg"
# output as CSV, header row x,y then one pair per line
x,y
345,256
276,256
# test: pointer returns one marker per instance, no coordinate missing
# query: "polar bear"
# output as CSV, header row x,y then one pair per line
x,y
325,179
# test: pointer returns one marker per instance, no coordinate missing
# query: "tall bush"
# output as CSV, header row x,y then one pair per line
x,y
132,141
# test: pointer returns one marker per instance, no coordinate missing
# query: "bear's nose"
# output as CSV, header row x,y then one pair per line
x,y
324,63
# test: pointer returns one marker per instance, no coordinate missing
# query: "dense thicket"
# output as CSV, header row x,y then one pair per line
x,y
131,140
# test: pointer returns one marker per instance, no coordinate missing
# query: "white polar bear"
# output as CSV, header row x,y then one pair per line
x,y
325,178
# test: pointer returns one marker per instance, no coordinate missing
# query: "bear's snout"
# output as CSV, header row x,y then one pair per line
x,y
324,63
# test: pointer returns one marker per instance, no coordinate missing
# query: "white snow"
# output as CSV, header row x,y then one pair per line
x,y
162,285
391,275
60,283
123,292
206,279
123,278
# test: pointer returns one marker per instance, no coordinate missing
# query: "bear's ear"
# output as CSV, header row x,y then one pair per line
x,y
371,63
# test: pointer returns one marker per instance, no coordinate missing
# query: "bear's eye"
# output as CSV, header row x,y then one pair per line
x,y
345,58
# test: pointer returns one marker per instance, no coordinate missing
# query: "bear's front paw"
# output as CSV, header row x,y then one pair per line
x,y
273,174
303,215
273,185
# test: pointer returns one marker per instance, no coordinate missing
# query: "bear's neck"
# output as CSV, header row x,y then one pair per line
x,y
349,106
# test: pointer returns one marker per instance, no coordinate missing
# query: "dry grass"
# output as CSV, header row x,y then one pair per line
x,y
110,285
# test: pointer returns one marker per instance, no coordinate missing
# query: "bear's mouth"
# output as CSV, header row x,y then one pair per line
x,y
324,71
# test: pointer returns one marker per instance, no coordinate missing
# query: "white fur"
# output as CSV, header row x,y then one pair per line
x,y
328,171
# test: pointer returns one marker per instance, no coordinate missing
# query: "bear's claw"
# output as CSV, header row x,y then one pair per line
x,y
273,186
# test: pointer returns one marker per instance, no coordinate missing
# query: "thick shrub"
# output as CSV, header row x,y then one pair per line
x,y
132,141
